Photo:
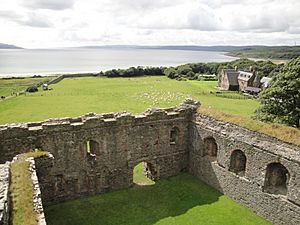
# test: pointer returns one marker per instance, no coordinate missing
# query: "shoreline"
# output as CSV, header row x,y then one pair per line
x,y
94,73
275,61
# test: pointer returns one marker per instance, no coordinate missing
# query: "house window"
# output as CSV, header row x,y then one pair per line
x,y
276,179
238,162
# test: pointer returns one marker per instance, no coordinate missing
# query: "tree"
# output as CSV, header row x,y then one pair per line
x,y
32,89
171,72
281,101
184,69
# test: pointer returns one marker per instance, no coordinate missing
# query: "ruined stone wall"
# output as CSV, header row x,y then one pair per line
x,y
37,197
94,154
4,193
120,142
75,75
247,187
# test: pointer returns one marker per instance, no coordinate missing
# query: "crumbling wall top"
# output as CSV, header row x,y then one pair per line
x,y
89,120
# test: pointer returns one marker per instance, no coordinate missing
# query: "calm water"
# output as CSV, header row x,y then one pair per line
x,y
55,61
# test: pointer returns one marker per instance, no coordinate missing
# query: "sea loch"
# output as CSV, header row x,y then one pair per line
x,y
26,62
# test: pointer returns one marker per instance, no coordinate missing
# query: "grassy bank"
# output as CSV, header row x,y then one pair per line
x,y
174,201
281,132
21,190
77,96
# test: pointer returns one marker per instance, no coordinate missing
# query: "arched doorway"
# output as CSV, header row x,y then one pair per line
x,y
238,162
144,173
276,180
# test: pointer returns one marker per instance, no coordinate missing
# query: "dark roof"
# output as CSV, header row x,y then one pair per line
x,y
253,89
232,76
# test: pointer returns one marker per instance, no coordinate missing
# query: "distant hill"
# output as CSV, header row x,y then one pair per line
x,y
6,46
273,52
251,51
220,48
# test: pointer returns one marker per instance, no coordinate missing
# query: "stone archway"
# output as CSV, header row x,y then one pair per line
x,y
276,180
145,173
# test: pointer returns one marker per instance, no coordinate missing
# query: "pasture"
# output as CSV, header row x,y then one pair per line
x,y
77,96
9,86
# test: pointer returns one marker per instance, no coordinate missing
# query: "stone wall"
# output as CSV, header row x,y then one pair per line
x,y
37,197
247,186
97,153
4,193
71,75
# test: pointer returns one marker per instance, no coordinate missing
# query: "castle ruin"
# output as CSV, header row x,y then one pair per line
x,y
96,153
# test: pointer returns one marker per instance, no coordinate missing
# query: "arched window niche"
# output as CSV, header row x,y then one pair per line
x,y
238,162
210,148
92,148
174,135
276,180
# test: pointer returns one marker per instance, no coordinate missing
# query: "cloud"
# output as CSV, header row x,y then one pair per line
x,y
182,16
28,19
96,22
49,4
9,14
36,20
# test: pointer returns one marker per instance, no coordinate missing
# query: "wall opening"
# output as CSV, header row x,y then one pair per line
x,y
144,174
210,148
174,134
276,179
238,162
92,148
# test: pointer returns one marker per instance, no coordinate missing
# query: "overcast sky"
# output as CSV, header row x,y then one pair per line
x,y
58,23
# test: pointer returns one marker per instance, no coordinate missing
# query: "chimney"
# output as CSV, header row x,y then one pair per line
x,y
235,68
250,68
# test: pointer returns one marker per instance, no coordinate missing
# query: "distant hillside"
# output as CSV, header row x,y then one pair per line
x,y
220,48
6,46
280,52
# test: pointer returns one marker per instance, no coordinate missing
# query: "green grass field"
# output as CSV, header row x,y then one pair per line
x,y
180,200
77,96
7,86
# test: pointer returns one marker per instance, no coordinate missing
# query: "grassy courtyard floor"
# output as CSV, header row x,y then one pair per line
x,y
77,96
180,200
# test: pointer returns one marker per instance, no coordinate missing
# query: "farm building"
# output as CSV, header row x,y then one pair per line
x,y
245,79
228,80
236,80
265,82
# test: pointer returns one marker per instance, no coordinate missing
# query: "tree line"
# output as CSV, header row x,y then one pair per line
x,y
197,71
